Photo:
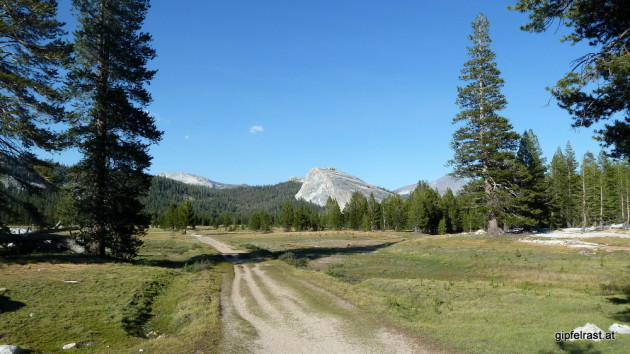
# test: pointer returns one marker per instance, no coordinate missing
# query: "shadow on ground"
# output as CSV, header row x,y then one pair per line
x,y
8,305
316,252
577,347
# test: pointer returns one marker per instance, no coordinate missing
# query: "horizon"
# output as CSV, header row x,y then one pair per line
x,y
255,93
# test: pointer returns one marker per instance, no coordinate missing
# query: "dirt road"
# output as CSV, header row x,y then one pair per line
x,y
266,310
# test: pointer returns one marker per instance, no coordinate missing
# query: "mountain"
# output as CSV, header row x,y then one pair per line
x,y
213,202
188,178
321,183
441,184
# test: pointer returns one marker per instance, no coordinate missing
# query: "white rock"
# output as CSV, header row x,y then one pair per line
x,y
31,315
69,346
619,328
321,183
10,349
589,328
480,232
71,281
3,290
196,180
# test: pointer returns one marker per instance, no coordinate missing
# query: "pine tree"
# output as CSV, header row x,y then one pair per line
x,y
484,146
31,52
533,197
374,213
302,218
254,222
186,215
113,128
355,209
334,219
590,193
394,212
599,90
286,216
450,212
424,209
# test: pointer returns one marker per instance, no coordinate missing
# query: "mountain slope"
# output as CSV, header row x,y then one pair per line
x,y
191,179
321,183
441,184
213,202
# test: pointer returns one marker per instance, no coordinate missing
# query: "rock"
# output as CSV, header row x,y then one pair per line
x,y
2,290
619,328
71,281
480,232
589,328
69,346
321,183
11,349
31,315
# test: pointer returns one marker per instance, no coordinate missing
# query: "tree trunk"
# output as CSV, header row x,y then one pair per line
x,y
493,225
584,219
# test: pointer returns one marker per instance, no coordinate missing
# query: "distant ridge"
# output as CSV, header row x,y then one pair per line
x,y
321,183
197,180
441,184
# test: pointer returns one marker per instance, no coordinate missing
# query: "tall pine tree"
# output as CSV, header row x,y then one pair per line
x,y
484,146
534,196
113,128
31,52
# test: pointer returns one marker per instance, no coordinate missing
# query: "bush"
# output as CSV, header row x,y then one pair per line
x,y
292,259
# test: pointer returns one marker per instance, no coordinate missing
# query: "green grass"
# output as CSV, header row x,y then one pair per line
x,y
470,293
169,298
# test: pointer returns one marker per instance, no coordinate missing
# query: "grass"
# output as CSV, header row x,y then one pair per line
x,y
168,298
469,293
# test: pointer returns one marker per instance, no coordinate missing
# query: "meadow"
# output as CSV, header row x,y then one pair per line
x,y
168,298
467,293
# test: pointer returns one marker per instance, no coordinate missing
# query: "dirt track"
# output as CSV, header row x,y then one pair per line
x,y
266,311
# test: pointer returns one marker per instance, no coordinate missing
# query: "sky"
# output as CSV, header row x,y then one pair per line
x,y
254,92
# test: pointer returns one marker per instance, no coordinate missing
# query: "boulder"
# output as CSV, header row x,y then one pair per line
x,y
589,328
69,346
619,328
11,349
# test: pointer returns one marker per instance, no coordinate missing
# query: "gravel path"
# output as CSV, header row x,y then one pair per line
x,y
279,320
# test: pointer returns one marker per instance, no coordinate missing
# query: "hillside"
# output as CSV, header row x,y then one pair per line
x,y
213,202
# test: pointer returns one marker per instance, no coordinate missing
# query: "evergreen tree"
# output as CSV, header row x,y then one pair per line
x,y
186,215
603,24
302,218
333,216
441,230
484,146
374,213
355,209
254,222
227,219
31,51
286,216
533,197
590,190
450,212
424,209
113,129
394,212
265,221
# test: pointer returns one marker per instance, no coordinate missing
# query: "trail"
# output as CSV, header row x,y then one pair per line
x,y
266,311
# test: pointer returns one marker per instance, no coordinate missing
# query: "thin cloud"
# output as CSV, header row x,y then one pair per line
x,y
187,137
256,129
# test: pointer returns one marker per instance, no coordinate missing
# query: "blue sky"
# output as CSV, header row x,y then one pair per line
x,y
256,91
